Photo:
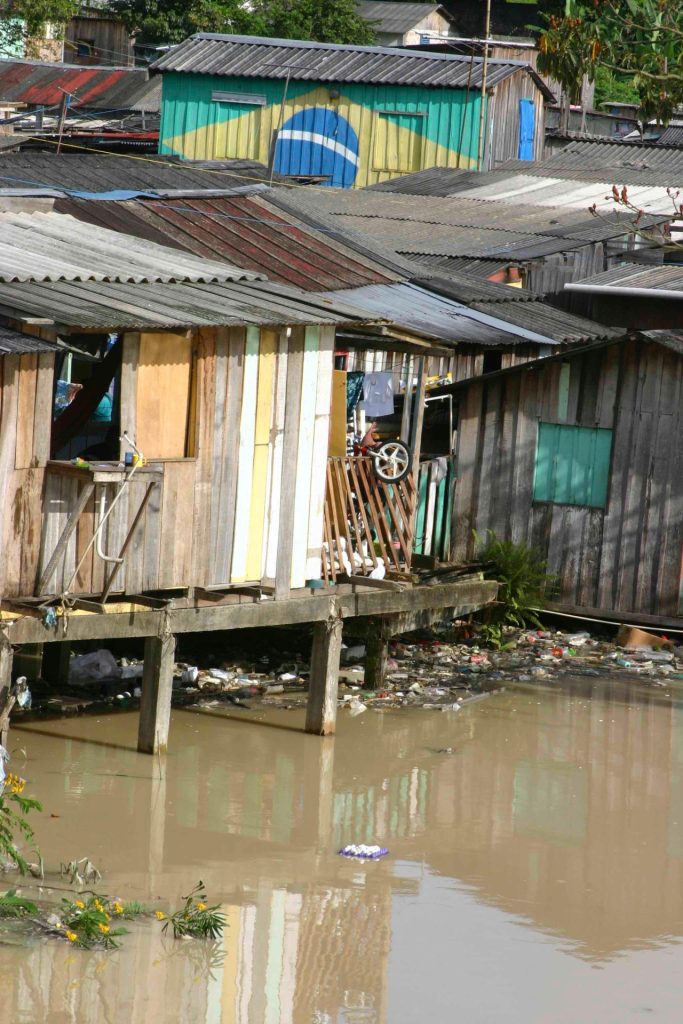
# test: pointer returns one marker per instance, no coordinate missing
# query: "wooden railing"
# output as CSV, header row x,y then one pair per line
x,y
368,523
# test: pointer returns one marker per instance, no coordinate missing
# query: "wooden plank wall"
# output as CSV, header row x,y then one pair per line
x,y
26,383
624,558
248,506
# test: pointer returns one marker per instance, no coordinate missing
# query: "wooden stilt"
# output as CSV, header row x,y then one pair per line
x,y
321,710
155,704
376,653
56,659
6,701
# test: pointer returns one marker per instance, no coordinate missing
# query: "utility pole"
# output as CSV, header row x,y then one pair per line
x,y
484,69
63,107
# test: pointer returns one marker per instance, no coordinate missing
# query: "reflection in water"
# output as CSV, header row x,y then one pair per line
x,y
558,813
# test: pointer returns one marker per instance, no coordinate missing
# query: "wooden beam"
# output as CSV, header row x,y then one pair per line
x,y
418,413
378,634
366,581
464,596
157,685
321,710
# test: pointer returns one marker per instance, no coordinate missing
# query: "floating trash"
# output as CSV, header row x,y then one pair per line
x,y
363,852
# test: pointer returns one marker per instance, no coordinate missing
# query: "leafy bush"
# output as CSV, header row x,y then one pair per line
x,y
524,581
13,823
12,905
196,919
87,922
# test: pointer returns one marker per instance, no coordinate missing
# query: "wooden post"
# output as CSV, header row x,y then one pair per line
x,y
376,653
56,659
155,704
321,710
418,412
6,702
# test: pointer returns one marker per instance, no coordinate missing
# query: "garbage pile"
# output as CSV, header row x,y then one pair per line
x,y
443,669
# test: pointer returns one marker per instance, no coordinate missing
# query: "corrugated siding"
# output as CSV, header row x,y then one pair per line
x,y
196,127
626,557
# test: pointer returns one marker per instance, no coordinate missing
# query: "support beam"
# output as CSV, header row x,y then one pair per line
x,y
321,710
6,701
155,704
379,633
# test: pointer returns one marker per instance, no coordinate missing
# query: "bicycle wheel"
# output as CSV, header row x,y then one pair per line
x,y
392,461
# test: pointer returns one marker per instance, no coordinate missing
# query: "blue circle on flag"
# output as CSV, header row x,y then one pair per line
x,y
319,142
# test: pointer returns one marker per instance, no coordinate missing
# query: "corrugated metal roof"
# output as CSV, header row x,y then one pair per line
x,y
14,343
112,306
454,265
258,57
543,185
673,340
243,230
56,247
458,226
671,136
94,88
92,173
665,277
477,323
397,17
435,316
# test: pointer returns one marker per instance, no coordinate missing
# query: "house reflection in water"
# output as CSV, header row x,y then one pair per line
x,y
562,810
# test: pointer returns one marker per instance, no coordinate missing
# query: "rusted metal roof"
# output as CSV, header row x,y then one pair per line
x,y
95,88
56,247
109,306
259,57
243,230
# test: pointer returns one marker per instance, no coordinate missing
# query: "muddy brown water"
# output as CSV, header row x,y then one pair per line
x,y
535,873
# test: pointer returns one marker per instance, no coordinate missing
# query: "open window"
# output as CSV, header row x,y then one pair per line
x,y
85,412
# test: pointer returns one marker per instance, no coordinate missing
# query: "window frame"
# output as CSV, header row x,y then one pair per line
x,y
552,485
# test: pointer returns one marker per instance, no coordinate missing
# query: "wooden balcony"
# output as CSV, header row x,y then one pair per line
x,y
368,523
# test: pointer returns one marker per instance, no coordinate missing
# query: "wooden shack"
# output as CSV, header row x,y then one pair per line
x,y
579,456
184,483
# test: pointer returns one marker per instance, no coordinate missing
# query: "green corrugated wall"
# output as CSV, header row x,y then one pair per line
x,y
196,127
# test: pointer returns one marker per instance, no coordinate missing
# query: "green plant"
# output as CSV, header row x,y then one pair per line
x,y
12,905
196,919
13,823
87,922
523,578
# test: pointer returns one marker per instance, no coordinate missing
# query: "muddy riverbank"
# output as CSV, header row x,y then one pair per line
x,y
535,867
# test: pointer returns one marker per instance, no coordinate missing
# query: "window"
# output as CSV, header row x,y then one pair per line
x,y
236,126
165,407
398,141
572,465
492,361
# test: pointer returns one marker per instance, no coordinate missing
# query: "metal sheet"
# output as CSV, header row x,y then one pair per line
x,y
258,57
57,247
92,88
110,305
243,230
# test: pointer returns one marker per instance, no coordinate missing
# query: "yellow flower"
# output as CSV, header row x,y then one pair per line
x,y
116,907
201,906
71,936
80,904
160,916
99,906
104,928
